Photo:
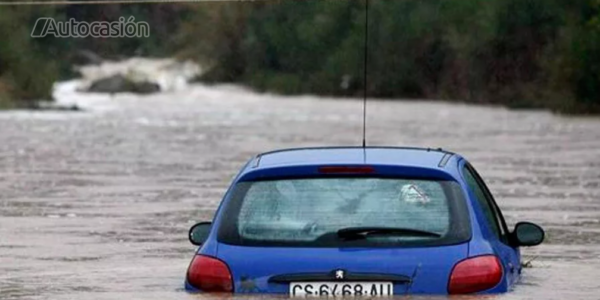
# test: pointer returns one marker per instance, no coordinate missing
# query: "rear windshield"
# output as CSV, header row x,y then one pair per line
x,y
311,212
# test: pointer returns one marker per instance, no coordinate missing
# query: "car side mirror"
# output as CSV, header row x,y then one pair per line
x,y
528,234
199,233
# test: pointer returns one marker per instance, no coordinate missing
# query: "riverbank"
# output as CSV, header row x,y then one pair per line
x,y
518,54
171,75
539,54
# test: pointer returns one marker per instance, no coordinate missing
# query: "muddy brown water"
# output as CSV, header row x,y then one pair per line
x,y
97,204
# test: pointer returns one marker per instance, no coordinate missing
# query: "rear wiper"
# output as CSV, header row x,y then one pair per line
x,y
362,232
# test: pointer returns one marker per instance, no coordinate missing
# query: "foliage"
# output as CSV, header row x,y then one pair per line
x,y
27,71
518,53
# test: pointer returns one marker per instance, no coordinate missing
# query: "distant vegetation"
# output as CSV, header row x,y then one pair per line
x,y
518,53
29,66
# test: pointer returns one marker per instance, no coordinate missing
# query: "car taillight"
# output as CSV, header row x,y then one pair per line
x,y
346,170
209,274
475,275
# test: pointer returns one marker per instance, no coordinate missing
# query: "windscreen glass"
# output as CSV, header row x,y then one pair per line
x,y
312,211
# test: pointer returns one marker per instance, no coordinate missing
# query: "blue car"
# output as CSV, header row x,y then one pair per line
x,y
354,221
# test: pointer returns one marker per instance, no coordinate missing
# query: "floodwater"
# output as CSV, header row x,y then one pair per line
x,y
97,204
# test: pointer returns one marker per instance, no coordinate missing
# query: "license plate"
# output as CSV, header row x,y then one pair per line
x,y
333,289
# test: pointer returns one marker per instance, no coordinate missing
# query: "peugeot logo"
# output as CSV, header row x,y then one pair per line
x,y
340,274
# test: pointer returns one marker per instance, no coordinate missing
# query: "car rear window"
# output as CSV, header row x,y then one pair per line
x,y
310,212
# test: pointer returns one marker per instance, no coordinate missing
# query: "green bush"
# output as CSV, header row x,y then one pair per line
x,y
26,73
519,53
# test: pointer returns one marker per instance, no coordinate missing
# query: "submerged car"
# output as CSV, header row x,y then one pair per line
x,y
358,221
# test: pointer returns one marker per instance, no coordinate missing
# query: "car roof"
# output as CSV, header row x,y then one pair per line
x,y
390,156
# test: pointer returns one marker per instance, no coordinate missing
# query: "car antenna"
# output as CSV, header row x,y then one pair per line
x,y
365,73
